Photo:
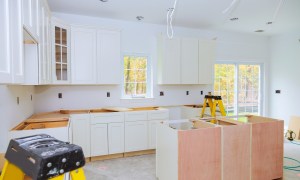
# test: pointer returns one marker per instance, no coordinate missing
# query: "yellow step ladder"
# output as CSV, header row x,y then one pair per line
x,y
213,102
42,157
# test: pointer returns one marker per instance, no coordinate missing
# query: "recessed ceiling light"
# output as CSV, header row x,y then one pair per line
x,y
103,0
139,18
270,22
234,19
260,30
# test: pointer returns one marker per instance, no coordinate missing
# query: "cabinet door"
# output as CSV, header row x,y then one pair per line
x,y
206,61
189,61
44,46
83,55
16,41
99,144
5,68
108,57
152,133
60,52
169,61
81,132
30,16
115,138
136,136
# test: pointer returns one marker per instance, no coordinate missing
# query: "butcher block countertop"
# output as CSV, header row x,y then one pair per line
x,y
61,118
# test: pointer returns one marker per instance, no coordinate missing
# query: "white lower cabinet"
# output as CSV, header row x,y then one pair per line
x,y
80,124
136,134
115,138
152,133
99,141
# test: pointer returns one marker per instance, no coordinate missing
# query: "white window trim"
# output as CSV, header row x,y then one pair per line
x,y
149,92
262,76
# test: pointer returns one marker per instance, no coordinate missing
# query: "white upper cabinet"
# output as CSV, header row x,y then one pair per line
x,y
206,61
189,61
44,45
185,61
108,57
60,52
11,46
30,17
168,61
83,55
5,68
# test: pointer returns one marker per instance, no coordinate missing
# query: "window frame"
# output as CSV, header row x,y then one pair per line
x,y
236,84
149,83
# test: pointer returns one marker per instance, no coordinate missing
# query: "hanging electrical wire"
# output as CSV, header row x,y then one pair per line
x,y
231,7
279,6
170,13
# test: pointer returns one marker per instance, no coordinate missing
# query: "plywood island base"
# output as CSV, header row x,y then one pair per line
x,y
222,149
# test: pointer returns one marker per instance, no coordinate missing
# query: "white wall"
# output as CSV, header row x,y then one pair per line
x,y
284,76
12,113
137,37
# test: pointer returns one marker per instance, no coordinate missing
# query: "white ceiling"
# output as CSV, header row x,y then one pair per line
x,y
252,14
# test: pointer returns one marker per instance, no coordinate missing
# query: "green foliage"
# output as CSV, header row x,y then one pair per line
x,y
135,75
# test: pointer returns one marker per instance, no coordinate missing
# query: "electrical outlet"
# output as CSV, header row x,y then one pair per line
x,y
108,94
201,92
278,91
18,100
60,95
161,93
187,93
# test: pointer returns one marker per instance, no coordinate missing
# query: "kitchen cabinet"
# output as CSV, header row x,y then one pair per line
x,y
152,125
189,61
168,60
45,64
185,61
99,140
154,118
115,138
16,41
11,47
83,55
136,134
30,17
80,124
107,133
108,57
5,68
60,52
206,61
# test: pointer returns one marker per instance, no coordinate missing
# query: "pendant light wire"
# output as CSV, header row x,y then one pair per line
x,y
170,13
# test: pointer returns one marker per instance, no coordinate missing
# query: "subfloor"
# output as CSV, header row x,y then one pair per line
x,y
143,167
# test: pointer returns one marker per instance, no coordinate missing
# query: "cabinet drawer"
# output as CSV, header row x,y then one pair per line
x,y
100,118
158,115
136,116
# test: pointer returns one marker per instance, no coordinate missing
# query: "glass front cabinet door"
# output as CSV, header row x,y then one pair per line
x,y
61,49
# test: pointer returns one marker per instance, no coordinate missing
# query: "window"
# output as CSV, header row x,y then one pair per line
x,y
240,86
137,77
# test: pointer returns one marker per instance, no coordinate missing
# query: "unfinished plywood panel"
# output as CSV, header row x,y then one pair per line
x,y
267,149
236,152
294,125
199,154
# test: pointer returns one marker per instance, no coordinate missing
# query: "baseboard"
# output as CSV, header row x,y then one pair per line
x,y
138,153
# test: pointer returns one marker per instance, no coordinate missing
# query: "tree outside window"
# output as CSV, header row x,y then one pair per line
x,y
136,78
